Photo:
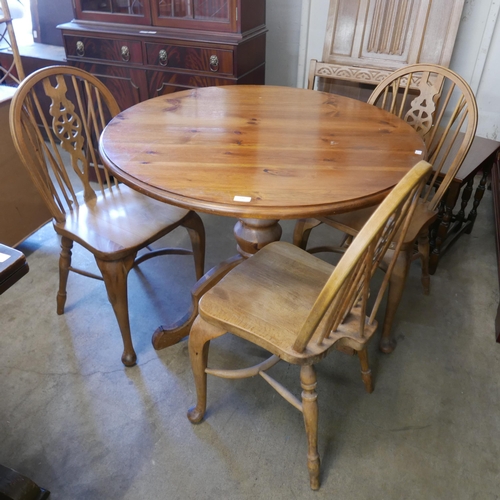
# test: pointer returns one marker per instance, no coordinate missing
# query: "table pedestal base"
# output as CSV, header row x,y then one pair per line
x,y
251,235
165,336
254,234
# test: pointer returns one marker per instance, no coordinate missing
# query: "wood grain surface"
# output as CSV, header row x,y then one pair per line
x,y
289,152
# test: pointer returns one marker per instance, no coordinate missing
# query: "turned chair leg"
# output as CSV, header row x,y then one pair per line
x,y
396,286
302,231
64,265
310,411
196,231
115,275
424,251
366,373
199,343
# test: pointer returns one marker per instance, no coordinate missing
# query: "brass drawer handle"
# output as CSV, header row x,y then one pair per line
x,y
80,48
163,57
125,53
214,63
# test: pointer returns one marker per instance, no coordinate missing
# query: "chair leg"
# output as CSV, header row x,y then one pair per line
x,y
424,251
366,373
64,265
396,286
115,275
310,411
199,343
196,231
302,231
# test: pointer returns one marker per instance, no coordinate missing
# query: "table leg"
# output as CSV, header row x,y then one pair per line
x,y
440,230
254,234
478,196
165,336
251,235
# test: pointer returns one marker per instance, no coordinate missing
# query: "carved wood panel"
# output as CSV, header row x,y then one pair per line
x,y
366,39
391,24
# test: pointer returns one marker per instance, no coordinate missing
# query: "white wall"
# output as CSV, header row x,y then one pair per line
x,y
314,15
488,95
476,58
283,19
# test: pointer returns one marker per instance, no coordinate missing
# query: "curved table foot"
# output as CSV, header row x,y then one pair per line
x,y
251,235
165,336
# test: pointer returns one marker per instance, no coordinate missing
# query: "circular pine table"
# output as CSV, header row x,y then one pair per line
x,y
259,153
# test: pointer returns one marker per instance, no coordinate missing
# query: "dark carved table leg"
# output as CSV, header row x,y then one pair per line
x,y
466,194
443,224
478,196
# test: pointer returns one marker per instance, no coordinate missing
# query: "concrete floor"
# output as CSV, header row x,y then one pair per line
x,y
77,422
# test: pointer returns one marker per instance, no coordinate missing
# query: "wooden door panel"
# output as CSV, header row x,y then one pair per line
x,y
389,35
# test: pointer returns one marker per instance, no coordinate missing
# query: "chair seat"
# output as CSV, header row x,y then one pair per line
x,y
268,297
352,222
118,222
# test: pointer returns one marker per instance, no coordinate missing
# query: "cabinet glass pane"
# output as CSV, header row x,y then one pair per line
x,y
209,10
175,8
129,7
214,10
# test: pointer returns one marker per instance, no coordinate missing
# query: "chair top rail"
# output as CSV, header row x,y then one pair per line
x,y
57,116
348,285
438,104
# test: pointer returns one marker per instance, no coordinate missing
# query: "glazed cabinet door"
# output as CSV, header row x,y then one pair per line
x,y
114,11
214,15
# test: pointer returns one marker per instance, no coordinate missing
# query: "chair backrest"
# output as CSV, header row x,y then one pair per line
x,y
15,71
442,108
313,73
330,71
348,285
73,108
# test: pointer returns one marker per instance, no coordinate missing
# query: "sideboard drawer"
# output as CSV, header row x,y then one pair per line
x,y
128,51
164,82
191,58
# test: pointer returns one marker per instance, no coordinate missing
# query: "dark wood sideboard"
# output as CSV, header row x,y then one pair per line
x,y
458,208
165,46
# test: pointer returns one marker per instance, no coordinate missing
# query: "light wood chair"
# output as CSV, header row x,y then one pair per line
x,y
319,69
442,108
109,219
15,72
298,307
